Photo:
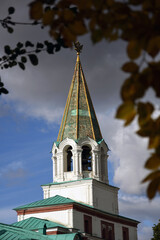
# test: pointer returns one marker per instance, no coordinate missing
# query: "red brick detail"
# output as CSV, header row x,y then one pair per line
x,y
44,209
52,233
79,208
105,216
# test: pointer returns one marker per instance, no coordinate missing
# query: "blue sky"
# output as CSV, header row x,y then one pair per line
x,y
31,113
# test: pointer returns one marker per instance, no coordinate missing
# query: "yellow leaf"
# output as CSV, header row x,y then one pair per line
x,y
69,37
48,17
153,162
151,176
36,10
134,49
154,142
153,188
78,28
126,112
130,67
144,110
153,46
68,15
83,4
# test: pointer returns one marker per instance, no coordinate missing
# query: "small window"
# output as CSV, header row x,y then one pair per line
x,y
107,230
125,233
69,160
87,224
86,159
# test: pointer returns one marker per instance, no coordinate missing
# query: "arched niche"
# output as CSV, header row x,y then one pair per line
x,y
68,159
86,158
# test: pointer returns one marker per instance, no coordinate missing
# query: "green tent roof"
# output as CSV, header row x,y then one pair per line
x,y
79,118
33,223
56,200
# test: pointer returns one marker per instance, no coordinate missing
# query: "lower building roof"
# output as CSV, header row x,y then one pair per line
x,y
60,200
34,223
10,232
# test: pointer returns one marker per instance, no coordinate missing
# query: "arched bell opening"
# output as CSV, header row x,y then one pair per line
x,y
69,159
86,159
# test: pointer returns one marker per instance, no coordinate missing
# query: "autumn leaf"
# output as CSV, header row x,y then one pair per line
x,y
153,162
48,17
36,10
153,187
134,49
130,67
127,112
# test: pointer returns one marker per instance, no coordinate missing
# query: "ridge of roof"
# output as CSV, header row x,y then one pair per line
x,y
56,200
79,118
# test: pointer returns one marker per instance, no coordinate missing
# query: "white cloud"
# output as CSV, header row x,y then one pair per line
x,y
129,153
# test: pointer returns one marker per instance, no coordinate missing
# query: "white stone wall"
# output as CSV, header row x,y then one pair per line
x,y
105,197
78,218
75,219
64,217
101,196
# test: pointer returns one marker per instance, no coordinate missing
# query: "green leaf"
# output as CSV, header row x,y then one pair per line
x,y
19,45
4,91
21,65
29,44
33,58
7,49
40,45
10,30
24,59
11,10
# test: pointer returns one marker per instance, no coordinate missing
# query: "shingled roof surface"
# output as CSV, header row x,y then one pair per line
x,y
79,118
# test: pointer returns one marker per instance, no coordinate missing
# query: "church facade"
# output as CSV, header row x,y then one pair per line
x,y
79,203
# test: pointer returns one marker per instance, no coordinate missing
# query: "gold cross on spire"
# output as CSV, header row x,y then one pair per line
x,y
78,47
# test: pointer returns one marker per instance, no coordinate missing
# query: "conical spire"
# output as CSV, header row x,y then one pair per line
x,y
79,118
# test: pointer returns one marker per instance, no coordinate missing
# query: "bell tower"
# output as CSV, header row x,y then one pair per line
x,y
80,153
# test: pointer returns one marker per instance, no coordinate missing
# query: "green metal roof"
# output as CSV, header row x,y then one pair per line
x,y
9,232
79,118
33,223
58,183
56,200
59,200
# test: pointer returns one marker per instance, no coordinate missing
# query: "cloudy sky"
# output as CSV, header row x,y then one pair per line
x,y
31,113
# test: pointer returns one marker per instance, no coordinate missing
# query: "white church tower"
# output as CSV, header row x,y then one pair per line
x,y
80,196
